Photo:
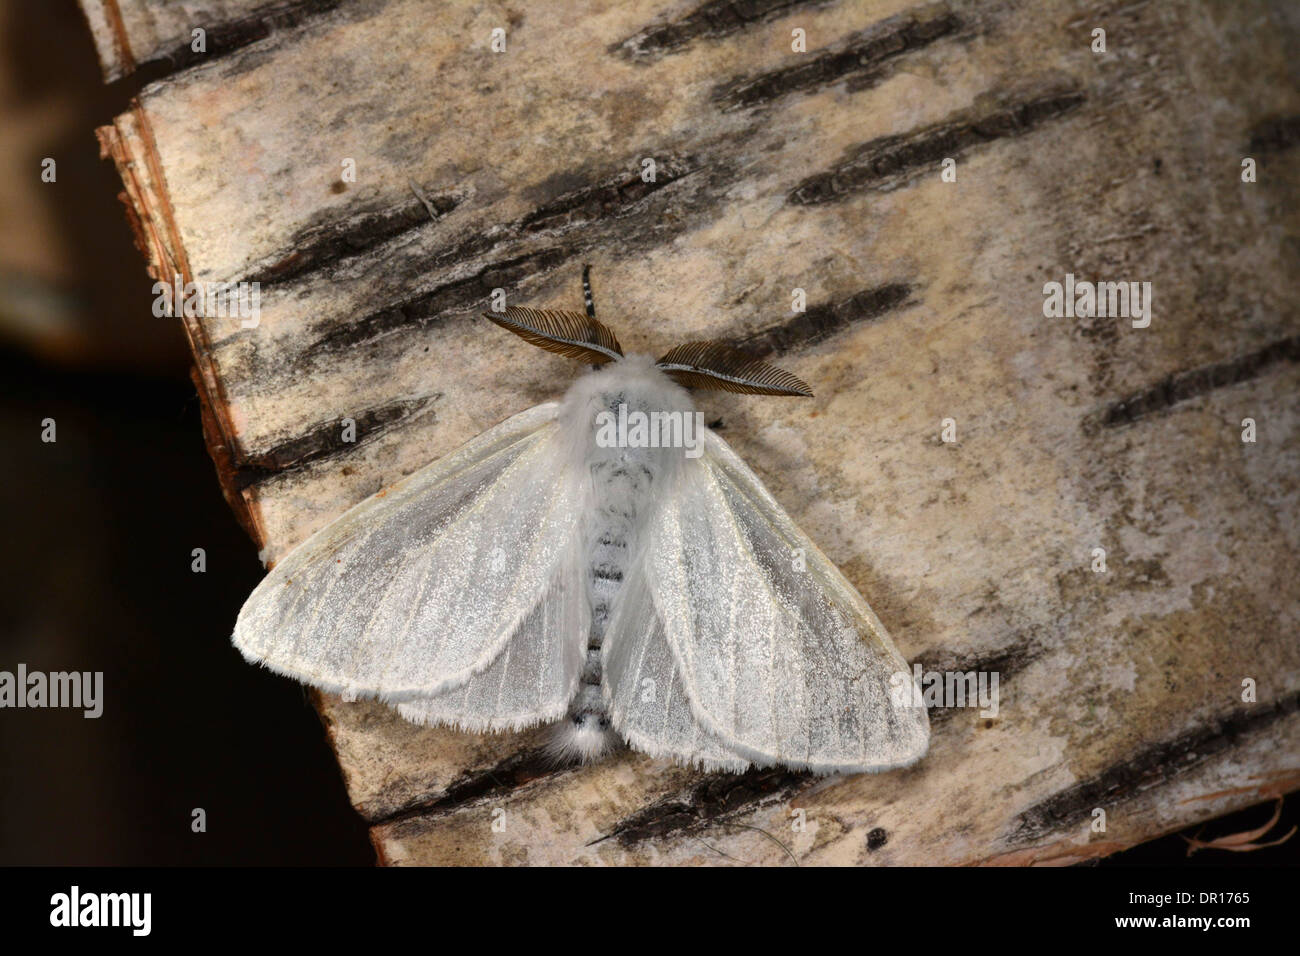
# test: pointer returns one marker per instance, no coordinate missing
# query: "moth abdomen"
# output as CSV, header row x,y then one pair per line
x,y
591,668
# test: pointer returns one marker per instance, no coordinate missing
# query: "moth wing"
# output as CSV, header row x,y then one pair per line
x,y
461,577
534,679
643,687
777,664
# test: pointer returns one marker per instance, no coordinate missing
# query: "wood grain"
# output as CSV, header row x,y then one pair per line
x,y
777,170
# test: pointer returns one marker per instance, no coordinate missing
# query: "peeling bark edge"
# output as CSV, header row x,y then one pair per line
x,y
153,222
109,34
223,459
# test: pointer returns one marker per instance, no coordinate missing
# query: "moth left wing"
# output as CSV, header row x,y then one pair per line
x,y
458,591
534,679
776,657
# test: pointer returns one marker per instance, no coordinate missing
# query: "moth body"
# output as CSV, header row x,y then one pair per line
x,y
626,472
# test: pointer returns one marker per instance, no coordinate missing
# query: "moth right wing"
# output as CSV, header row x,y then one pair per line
x,y
458,591
751,656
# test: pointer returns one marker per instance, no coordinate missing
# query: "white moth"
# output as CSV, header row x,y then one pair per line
x,y
626,581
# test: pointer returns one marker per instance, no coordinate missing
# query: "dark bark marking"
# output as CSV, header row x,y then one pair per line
x,y
1275,134
612,196
615,196
477,785
863,58
324,440
223,39
822,321
1154,766
460,294
714,799
1006,662
1181,386
329,242
717,18
890,161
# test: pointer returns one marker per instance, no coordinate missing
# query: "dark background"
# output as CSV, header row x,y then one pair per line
x,y
95,574
96,569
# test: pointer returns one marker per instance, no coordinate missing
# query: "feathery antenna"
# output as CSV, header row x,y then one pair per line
x,y
714,365
566,333
719,366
